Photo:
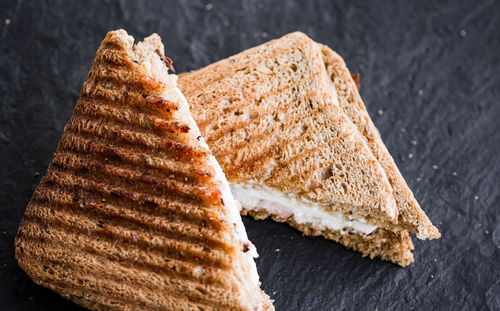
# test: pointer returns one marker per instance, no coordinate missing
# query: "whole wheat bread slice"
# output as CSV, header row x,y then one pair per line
x,y
134,213
274,117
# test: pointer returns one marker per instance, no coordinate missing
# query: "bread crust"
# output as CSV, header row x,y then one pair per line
x,y
410,216
382,243
232,99
271,118
129,215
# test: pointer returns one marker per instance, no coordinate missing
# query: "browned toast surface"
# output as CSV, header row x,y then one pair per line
x,y
129,215
272,116
411,217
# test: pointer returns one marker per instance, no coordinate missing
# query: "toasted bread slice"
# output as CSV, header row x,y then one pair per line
x,y
134,212
411,217
275,120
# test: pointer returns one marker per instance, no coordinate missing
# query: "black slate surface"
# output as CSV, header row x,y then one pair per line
x,y
429,75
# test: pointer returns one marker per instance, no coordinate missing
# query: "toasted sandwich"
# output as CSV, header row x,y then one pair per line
x,y
134,212
286,122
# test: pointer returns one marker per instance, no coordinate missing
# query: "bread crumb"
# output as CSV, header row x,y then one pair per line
x,y
37,173
463,33
209,6
410,156
486,232
432,276
476,198
277,250
435,167
413,142
380,112
454,173
264,35
418,179
7,21
420,92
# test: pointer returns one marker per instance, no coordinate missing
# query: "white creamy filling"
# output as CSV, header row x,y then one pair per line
x,y
256,198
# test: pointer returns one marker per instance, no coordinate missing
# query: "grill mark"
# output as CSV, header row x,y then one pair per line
x,y
126,258
135,180
121,76
129,158
181,231
98,92
105,291
173,249
74,182
81,188
179,151
113,57
112,151
134,119
106,212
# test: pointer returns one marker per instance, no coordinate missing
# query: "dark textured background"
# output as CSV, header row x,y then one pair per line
x,y
430,79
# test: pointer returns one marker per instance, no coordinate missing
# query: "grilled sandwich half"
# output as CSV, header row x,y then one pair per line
x,y
287,124
134,212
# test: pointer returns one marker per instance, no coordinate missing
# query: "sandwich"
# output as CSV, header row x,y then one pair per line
x,y
286,122
134,212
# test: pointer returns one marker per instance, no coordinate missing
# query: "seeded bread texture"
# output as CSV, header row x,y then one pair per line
x,y
411,216
129,215
271,116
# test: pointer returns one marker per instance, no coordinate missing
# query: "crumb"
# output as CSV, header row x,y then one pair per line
x,y
37,173
380,112
7,21
277,250
264,35
104,200
413,142
476,198
367,129
435,260
434,167
420,92
418,179
463,33
134,238
486,232
432,276
410,156
454,173
246,247
209,6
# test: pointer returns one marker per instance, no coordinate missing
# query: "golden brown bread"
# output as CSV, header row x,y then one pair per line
x,y
411,217
133,213
278,115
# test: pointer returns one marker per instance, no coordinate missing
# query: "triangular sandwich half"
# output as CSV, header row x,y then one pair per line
x,y
134,212
286,123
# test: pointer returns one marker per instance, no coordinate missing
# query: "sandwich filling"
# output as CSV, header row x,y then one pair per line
x,y
261,198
